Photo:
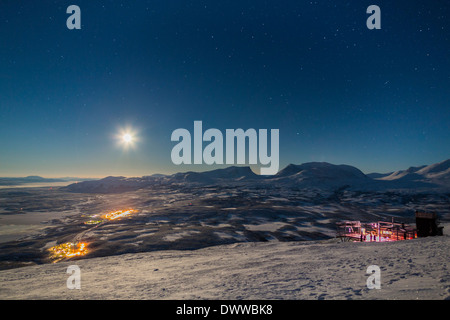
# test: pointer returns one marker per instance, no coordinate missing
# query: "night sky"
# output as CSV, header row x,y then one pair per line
x,y
337,91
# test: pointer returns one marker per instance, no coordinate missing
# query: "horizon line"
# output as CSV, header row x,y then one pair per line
x,y
202,170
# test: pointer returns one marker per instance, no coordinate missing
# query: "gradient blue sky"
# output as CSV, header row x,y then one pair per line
x,y
338,92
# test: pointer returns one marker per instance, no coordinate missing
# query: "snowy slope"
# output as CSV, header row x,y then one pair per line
x,y
438,174
436,169
414,269
410,173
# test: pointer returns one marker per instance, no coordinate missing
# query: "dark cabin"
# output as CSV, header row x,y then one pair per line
x,y
427,224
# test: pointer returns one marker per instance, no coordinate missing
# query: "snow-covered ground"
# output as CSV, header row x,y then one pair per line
x,y
227,234
413,269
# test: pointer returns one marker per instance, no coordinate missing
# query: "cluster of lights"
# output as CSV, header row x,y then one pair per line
x,y
377,232
67,250
386,235
74,249
93,222
118,214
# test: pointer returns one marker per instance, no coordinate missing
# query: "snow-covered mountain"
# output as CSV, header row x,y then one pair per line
x,y
319,175
401,174
437,170
437,174
112,184
214,176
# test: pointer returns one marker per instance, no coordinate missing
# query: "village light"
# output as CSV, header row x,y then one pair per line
x,y
74,249
93,222
118,214
67,250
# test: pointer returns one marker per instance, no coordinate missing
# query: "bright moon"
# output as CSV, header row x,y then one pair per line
x,y
127,138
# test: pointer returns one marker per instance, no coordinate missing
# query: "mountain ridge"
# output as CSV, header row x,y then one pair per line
x,y
322,175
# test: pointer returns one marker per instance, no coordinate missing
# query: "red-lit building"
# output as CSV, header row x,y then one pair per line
x,y
379,231
427,224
